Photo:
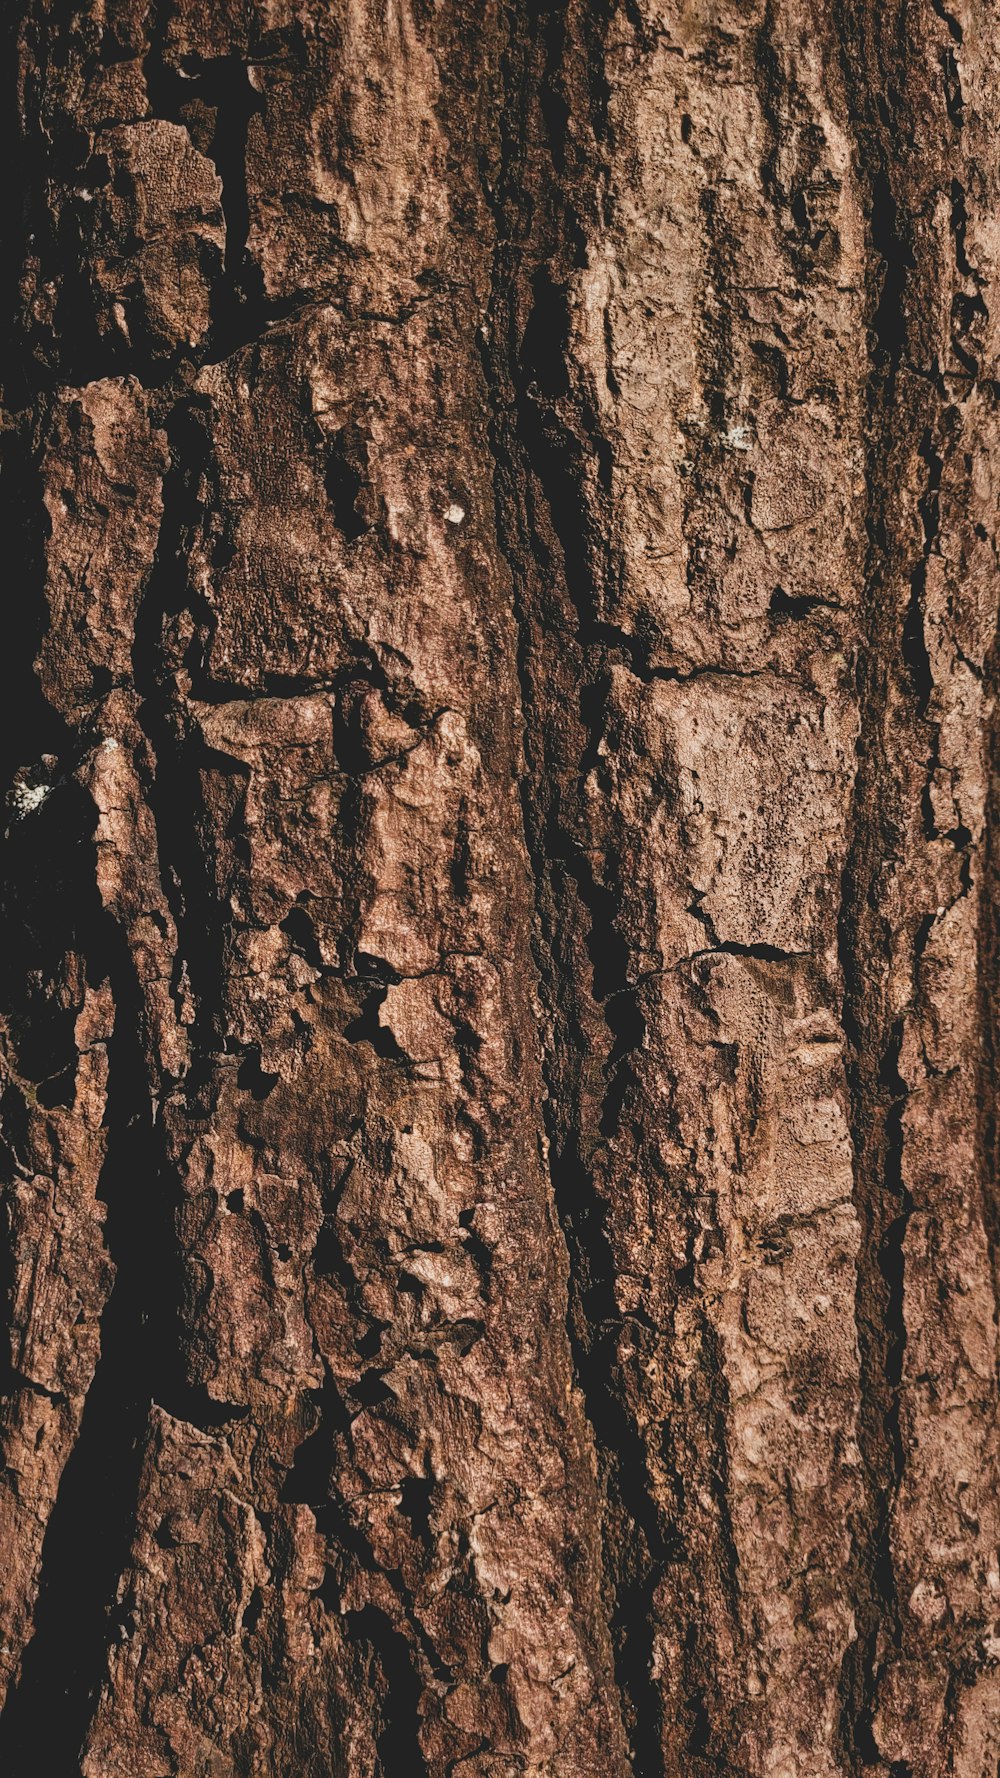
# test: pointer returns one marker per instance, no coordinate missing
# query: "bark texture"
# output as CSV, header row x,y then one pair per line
x,y
500,930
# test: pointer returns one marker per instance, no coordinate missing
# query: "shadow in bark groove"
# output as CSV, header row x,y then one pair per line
x,y
222,85
547,451
90,1529
892,647
397,1739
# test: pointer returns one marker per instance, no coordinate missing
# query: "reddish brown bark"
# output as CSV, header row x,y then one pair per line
x,y
499,1092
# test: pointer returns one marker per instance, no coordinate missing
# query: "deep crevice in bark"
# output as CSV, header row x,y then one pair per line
x,y
878,1092
545,531
90,1528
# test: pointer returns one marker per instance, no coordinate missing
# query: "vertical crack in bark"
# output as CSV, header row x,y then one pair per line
x,y
917,410
874,1035
988,974
397,1740
90,1528
221,85
173,788
546,532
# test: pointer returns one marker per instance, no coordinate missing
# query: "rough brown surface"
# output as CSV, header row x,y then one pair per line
x,y
500,931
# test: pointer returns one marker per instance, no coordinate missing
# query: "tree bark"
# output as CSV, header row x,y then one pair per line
x,y
499,1106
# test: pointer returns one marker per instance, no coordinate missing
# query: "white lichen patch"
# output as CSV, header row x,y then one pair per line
x,y
739,438
26,797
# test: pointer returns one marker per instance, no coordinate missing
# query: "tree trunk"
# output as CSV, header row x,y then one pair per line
x,y
501,1210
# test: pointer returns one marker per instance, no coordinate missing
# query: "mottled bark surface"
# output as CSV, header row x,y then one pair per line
x,y
499,1191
